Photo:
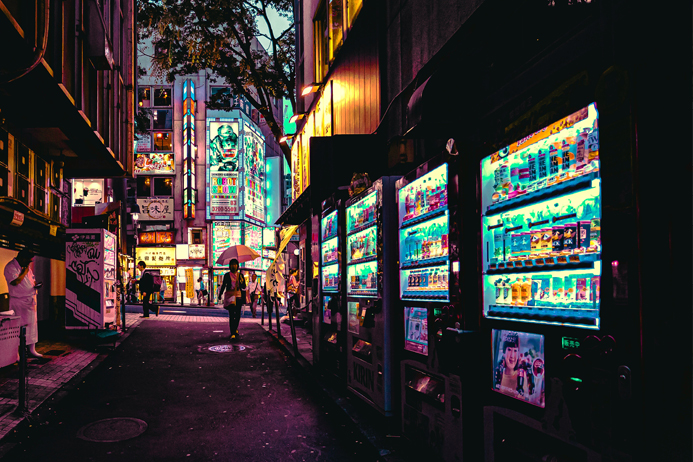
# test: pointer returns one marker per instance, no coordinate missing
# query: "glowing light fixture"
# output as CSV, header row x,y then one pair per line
x,y
286,137
312,88
296,117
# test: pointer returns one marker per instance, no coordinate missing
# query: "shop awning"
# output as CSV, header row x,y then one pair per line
x,y
298,211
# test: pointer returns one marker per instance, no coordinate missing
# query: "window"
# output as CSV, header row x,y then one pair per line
x,y
195,236
353,8
163,141
330,26
144,96
155,119
154,186
163,187
224,95
162,119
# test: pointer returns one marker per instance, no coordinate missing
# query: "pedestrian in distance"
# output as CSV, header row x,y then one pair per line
x,y
162,291
233,291
146,284
292,290
201,292
22,288
253,288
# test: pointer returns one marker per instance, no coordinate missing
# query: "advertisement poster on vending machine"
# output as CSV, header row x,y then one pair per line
x,y
518,365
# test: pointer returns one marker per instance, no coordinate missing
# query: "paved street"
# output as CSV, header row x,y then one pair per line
x,y
250,404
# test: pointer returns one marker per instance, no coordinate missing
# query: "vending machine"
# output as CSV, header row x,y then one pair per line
x,y
434,334
371,258
90,279
555,375
332,288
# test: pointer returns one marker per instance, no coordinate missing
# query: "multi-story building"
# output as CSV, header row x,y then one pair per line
x,y
66,105
206,177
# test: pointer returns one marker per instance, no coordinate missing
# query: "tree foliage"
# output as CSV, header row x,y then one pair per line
x,y
222,36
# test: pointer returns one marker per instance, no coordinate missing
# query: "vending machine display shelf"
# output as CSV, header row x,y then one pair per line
x,y
423,217
330,263
422,263
358,229
426,295
362,260
574,184
369,293
561,262
331,289
576,317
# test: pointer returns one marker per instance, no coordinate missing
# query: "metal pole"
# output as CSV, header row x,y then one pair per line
x,y
22,406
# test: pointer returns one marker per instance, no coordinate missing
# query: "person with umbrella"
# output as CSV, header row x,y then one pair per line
x,y
233,285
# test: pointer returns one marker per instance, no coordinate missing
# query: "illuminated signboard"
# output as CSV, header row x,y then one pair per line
x,y
254,174
253,239
296,178
268,237
156,209
156,256
274,190
222,167
155,237
154,163
189,150
196,251
224,235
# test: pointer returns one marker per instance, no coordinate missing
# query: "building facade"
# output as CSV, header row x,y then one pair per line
x,y
206,177
67,101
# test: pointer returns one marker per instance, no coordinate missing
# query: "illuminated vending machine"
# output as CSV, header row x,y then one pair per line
x,y
371,291
90,279
548,373
332,293
431,389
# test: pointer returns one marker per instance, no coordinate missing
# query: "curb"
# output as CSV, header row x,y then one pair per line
x,y
386,452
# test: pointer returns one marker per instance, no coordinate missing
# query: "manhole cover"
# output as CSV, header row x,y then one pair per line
x,y
112,430
226,348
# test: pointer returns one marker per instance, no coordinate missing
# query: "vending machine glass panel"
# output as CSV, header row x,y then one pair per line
x,y
416,330
541,226
362,246
518,365
326,309
329,226
424,197
361,215
363,281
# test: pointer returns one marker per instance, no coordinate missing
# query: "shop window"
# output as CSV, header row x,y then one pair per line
x,y
143,96
195,236
330,26
162,119
163,141
162,97
163,187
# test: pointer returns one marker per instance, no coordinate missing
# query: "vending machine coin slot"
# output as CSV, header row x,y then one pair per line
x,y
363,350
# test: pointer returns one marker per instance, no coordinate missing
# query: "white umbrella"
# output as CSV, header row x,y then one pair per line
x,y
240,252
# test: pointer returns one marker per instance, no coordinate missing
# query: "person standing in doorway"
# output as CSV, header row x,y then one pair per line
x,y
22,288
292,290
232,289
253,287
146,283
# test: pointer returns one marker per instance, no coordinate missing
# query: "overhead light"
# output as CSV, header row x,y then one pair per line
x,y
296,117
286,138
312,88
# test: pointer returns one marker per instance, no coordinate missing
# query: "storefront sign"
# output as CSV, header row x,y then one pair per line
x,y
154,163
189,283
157,256
144,143
156,209
181,251
17,218
254,175
223,166
159,237
196,251
224,235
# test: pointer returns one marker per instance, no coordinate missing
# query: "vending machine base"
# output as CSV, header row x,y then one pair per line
x,y
512,437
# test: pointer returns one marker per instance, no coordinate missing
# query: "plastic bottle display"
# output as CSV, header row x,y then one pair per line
x,y
426,195
427,280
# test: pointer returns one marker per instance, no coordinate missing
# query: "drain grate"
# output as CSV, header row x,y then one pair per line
x,y
226,348
112,430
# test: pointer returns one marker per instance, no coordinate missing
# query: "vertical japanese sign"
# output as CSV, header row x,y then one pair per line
x,y
254,175
189,283
252,237
222,167
189,150
296,180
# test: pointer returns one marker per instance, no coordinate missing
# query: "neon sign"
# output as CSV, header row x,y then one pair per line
x,y
189,150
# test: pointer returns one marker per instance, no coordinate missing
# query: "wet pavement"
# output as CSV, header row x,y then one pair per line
x,y
244,404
